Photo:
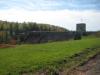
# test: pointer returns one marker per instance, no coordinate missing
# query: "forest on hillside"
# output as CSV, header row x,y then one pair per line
x,y
11,29
29,26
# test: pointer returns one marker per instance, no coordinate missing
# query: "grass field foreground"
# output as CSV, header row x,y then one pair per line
x,y
33,57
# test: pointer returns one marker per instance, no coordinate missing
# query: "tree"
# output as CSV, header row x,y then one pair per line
x,y
11,29
16,27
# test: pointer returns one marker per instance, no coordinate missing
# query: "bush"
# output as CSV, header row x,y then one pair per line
x,y
77,36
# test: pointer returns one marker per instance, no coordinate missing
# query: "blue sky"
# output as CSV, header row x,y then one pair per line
x,y
64,13
51,4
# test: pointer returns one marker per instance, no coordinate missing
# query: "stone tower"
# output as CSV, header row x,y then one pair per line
x,y
81,27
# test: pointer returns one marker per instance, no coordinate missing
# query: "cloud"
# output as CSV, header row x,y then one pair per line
x,y
51,4
65,13
64,18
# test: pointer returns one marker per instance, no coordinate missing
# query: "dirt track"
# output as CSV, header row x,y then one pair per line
x,y
96,68
6,45
92,67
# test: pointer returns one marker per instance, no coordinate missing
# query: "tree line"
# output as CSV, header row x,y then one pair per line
x,y
29,26
10,29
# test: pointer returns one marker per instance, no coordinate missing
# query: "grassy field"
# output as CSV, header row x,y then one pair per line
x,y
33,57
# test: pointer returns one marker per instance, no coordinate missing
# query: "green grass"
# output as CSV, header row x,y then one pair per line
x,y
37,56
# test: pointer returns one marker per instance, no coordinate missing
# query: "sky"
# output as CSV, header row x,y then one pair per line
x,y
65,13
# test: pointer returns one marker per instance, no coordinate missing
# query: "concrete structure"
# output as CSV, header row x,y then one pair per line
x,y
81,27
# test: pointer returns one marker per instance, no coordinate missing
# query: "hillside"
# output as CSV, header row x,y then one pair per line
x,y
29,26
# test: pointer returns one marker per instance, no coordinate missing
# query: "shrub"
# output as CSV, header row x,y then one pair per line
x,y
78,36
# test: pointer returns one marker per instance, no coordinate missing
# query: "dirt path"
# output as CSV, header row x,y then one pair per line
x,y
6,45
92,67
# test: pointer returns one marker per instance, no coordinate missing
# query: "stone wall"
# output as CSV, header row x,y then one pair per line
x,y
39,37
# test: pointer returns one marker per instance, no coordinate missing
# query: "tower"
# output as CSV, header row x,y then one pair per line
x,y
81,27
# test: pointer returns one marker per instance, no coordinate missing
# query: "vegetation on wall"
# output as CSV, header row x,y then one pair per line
x,y
11,29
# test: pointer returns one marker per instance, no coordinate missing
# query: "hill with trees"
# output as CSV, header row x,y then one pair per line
x,y
30,26
10,29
